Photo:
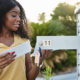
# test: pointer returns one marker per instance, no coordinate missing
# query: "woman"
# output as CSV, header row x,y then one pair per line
x,y
12,33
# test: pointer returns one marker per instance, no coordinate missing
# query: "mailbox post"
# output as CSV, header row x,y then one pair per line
x,y
77,12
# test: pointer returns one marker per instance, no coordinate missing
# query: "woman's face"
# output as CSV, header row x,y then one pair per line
x,y
12,19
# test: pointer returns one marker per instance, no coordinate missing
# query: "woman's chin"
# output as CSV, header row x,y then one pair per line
x,y
15,29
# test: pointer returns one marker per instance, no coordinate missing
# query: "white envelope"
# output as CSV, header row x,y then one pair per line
x,y
20,50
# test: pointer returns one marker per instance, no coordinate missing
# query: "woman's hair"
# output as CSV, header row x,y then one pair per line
x,y
6,6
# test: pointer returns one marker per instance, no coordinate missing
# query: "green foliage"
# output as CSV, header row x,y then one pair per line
x,y
48,73
55,28
41,17
71,61
63,10
65,13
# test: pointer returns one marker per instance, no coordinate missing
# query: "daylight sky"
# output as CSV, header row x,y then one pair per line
x,y
34,7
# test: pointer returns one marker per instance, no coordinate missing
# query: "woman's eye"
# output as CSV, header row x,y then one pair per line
x,y
14,15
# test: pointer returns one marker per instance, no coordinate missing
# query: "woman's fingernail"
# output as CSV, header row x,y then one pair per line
x,y
14,56
9,53
13,52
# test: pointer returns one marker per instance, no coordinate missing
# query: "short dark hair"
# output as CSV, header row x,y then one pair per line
x,y
6,6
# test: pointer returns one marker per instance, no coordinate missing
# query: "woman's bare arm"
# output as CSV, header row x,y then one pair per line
x,y
31,70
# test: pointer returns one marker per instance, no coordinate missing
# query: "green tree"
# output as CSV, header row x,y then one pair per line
x,y
63,10
41,17
65,13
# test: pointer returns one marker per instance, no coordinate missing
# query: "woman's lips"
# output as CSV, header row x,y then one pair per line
x,y
16,25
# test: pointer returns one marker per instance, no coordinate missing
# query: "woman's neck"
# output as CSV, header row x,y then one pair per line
x,y
6,33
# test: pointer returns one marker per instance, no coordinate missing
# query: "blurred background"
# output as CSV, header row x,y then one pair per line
x,y
53,18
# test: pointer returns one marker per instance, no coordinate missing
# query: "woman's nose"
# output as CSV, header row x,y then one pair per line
x,y
18,18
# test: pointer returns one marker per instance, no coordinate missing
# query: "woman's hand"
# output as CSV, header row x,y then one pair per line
x,y
6,59
45,55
